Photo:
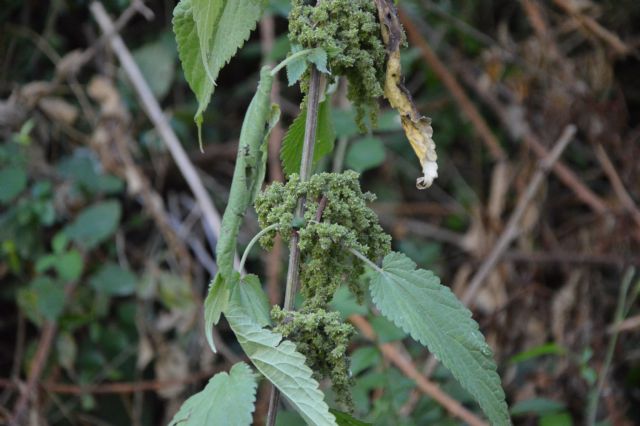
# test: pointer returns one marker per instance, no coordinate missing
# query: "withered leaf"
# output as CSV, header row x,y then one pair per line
x,y
416,127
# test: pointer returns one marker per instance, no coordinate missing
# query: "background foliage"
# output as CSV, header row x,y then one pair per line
x,y
81,248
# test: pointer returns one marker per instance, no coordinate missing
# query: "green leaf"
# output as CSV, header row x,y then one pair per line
x,y
13,181
538,351
50,297
69,265
44,297
365,154
416,302
157,64
216,301
209,33
95,224
364,358
386,330
346,303
318,57
297,66
291,152
537,406
111,279
279,362
344,419
249,295
228,399
556,419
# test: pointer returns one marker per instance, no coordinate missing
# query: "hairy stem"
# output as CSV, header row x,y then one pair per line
x,y
316,85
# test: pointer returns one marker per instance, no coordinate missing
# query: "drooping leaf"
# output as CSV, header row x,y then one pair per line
x,y
250,296
416,127
291,152
318,57
416,302
279,362
216,301
297,66
228,399
95,224
209,33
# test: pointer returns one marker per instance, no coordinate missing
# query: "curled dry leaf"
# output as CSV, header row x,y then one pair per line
x,y
417,127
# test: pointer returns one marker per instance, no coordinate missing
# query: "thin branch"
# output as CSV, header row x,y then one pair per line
x,y
253,242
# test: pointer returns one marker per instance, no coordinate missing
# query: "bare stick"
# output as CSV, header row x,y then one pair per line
x,y
511,231
152,108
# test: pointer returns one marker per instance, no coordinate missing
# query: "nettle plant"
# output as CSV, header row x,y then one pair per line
x,y
335,238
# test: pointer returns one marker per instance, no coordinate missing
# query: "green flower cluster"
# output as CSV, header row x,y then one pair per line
x,y
329,228
348,30
336,219
323,338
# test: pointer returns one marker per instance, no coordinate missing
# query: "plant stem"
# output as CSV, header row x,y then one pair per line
x,y
316,86
288,60
366,260
253,241
313,100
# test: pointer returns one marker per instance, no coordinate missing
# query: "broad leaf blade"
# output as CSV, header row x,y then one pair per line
x,y
209,32
250,296
279,361
291,152
416,302
228,399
